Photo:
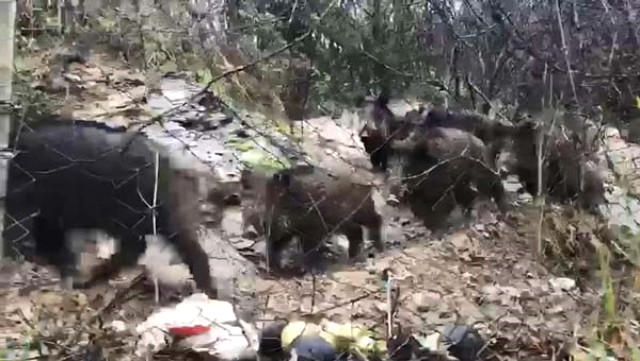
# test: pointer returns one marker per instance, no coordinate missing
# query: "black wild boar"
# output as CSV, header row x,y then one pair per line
x,y
376,131
592,194
569,171
416,117
254,194
494,133
440,167
380,130
312,204
82,175
377,146
377,112
252,216
271,339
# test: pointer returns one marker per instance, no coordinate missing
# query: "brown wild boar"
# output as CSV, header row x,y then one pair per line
x,y
311,204
380,130
440,167
569,171
494,133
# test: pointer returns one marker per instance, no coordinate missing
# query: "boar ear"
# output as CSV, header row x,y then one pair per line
x,y
282,178
383,96
286,179
245,178
364,132
233,200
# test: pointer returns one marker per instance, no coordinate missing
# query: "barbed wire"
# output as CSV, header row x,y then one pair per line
x,y
244,122
365,292
187,147
315,203
330,232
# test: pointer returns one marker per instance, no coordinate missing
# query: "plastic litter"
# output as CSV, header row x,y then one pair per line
x,y
200,324
465,343
342,337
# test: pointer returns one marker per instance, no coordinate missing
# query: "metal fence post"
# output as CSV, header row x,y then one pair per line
x,y
7,29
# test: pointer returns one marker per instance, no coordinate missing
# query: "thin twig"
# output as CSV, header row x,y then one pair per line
x,y
236,70
153,222
313,291
486,99
389,306
347,302
565,50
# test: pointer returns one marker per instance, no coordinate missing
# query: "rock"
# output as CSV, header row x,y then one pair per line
x,y
243,244
138,93
175,95
461,241
220,118
73,78
427,301
159,103
118,326
232,222
125,76
90,74
562,283
235,275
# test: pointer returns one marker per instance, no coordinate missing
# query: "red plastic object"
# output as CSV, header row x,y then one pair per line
x,y
186,331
